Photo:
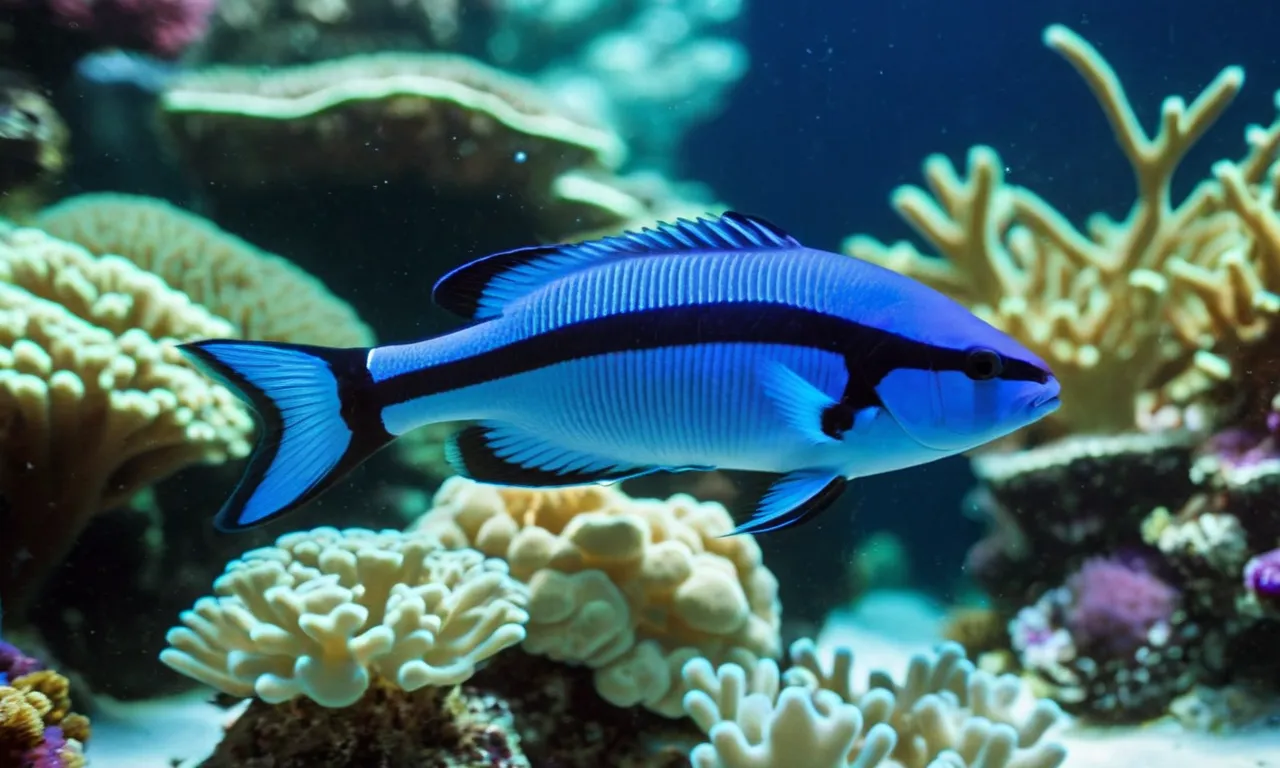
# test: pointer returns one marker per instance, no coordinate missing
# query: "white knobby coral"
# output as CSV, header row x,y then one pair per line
x,y
322,611
946,714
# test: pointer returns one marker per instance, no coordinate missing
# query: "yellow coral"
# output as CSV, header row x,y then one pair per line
x,y
632,588
265,296
946,712
96,402
322,611
31,703
1122,304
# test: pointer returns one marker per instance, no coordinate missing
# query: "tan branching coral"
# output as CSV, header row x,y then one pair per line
x,y
448,120
96,403
632,588
322,612
1172,287
264,296
944,713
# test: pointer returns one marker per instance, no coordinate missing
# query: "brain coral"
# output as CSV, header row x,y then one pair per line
x,y
264,296
323,611
632,588
95,401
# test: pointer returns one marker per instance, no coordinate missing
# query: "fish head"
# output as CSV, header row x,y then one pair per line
x,y
955,382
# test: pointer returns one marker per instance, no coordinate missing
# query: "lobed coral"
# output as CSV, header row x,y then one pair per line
x,y
631,588
448,120
945,713
325,613
37,726
96,403
265,297
1159,303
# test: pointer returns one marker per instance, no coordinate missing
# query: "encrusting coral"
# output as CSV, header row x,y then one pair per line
x,y
37,726
945,713
324,613
96,402
1132,315
1113,643
632,588
33,144
448,120
266,297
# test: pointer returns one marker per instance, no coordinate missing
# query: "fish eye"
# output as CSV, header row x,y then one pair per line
x,y
983,364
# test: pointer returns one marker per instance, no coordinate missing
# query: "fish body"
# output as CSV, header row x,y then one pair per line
x,y
718,343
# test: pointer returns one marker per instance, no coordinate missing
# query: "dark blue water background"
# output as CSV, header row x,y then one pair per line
x,y
844,99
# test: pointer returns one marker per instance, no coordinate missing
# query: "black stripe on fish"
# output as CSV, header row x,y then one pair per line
x,y
870,353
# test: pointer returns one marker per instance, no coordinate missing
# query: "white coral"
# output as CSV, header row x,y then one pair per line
x,y
322,611
946,714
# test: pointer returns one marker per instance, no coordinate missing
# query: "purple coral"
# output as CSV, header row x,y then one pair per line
x,y
55,752
1262,577
1116,605
160,27
14,663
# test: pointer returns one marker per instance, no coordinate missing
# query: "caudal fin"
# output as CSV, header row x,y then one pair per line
x,y
318,421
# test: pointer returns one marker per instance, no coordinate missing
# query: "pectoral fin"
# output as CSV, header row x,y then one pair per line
x,y
793,499
812,412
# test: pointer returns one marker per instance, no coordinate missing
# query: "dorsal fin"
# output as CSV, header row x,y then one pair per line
x,y
481,289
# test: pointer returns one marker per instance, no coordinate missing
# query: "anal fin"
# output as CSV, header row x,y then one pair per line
x,y
504,454
793,499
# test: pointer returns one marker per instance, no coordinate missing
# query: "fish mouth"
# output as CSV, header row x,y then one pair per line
x,y
1046,404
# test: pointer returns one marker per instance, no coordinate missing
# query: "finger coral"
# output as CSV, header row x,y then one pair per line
x,y
37,726
631,588
96,403
1157,303
324,613
265,297
945,713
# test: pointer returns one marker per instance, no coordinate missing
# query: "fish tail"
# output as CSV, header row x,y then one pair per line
x,y
317,415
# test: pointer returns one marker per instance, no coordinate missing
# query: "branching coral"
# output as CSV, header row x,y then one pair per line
x,y
630,588
322,612
946,713
265,296
1153,301
95,401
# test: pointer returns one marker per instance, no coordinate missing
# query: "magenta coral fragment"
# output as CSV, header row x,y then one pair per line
x,y
160,27
1262,575
1115,605
14,663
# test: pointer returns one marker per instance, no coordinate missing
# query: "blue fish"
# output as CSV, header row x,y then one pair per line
x,y
695,345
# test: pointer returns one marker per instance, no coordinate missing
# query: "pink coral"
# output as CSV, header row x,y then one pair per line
x,y
1115,606
160,27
